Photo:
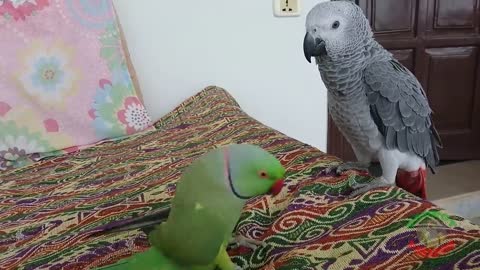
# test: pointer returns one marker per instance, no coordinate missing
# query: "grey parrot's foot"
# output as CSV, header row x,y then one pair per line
x,y
346,166
240,240
358,189
238,267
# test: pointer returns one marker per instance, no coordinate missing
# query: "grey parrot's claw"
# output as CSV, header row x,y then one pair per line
x,y
246,242
327,171
345,167
331,171
357,186
238,267
338,170
359,189
341,169
352,166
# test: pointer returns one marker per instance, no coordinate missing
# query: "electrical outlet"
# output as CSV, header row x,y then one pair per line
x,y
286,8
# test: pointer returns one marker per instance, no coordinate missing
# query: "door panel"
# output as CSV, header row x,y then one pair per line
x,y
399,24
459,66
452,17
453,99
459,14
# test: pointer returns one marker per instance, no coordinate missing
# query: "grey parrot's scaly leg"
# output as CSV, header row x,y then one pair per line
x,y
347,166
359,189
241,240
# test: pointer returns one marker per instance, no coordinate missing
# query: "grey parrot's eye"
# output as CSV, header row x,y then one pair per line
x,y
336,24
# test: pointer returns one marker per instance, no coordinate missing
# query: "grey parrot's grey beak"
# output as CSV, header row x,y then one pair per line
x,y
313,47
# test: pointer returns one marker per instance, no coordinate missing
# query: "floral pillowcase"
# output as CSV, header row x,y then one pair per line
x,y
64,80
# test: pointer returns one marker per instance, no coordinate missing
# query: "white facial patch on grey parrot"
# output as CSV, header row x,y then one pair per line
x,y
338,24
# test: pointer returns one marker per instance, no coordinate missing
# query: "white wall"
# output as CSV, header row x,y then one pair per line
x,y
180,46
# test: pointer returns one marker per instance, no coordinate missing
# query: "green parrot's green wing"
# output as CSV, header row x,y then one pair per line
x,y
186,240
203,214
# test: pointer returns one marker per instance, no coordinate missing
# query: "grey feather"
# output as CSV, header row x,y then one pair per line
x,y
406,121
420,123
409,121
373,97
416,140
409,134
402,140
391,138
405,110
389,91
426,143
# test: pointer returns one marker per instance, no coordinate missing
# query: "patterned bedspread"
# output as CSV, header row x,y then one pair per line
x,y
48,210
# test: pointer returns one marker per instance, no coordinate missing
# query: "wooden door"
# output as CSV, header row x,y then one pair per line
x,y
438,40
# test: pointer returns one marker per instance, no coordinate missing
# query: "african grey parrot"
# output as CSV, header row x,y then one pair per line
x,y
377,104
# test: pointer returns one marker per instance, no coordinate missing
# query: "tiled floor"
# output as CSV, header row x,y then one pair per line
x,y
454,179
456,187
476,220
466,205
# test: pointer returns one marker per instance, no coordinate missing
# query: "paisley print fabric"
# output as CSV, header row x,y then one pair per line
x,y
48,210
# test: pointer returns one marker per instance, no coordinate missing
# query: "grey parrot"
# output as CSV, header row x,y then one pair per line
x,y
377,103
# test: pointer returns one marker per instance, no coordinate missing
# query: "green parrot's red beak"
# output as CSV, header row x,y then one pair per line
x,y
277,187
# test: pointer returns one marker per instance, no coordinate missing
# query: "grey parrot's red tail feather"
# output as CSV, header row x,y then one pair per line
x,y
145,223
413,182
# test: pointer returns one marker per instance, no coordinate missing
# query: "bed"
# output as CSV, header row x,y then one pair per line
x,y
49,209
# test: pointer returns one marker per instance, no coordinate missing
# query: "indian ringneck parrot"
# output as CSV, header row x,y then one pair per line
x,y
207,205
377,104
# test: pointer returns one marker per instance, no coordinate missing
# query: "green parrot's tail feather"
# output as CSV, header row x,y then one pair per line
x,y
147,229
146,223
152,259
120,265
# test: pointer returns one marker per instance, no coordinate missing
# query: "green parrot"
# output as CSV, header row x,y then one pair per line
x,y
207,205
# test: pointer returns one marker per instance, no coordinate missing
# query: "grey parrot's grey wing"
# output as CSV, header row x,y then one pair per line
x,y
145,223
400,109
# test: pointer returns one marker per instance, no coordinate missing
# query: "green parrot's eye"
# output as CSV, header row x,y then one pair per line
x,y
263,174
336,24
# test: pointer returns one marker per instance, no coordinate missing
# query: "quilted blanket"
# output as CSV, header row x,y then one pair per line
x,y
49,209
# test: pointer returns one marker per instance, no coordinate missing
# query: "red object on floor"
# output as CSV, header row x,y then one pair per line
x,y
413,182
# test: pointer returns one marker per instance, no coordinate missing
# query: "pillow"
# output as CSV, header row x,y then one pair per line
x,y
65,82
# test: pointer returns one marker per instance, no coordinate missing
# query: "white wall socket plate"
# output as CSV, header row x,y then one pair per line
x,y
287,8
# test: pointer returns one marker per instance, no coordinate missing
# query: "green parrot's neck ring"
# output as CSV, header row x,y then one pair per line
x,y
228,174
